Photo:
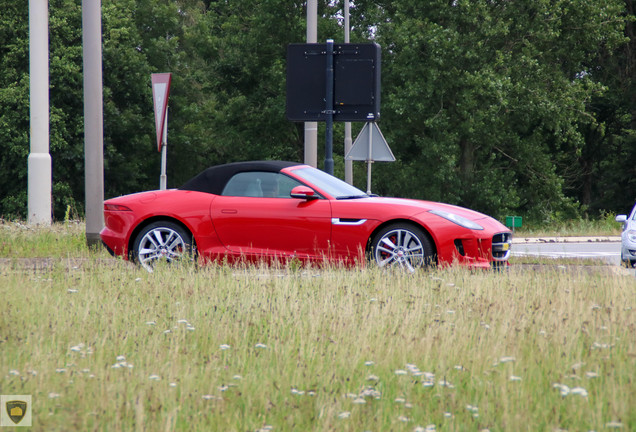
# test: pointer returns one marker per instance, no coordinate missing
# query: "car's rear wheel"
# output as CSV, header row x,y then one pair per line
x,y
162,241
401,245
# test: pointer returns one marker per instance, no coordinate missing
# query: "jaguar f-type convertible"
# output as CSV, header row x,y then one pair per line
x,y
275,211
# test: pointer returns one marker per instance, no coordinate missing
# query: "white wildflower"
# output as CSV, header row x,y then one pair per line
x,y
563,389
579,391
344,415
370,392
597,345
445,383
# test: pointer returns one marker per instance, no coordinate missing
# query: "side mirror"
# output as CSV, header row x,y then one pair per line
x,y
621,218
303,192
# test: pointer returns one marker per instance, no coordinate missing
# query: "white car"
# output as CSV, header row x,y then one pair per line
x,y
628,238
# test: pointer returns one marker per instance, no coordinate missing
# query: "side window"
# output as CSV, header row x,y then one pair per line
x,y
260,184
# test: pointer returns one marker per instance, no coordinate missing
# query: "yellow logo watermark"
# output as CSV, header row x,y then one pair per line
x,y
15,410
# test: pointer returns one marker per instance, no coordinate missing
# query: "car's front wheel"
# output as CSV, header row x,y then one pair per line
x,y
401,245
627,262
162,240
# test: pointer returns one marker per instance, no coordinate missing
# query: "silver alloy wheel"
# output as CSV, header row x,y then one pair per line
x,y
399,247
160,243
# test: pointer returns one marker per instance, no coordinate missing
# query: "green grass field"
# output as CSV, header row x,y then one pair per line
x,y
102,345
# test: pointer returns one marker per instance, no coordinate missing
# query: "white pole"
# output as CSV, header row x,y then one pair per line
x,y
163,180
311,128
93,119
39,161
347,126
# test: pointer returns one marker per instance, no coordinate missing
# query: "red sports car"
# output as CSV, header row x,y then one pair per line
x,y
276,211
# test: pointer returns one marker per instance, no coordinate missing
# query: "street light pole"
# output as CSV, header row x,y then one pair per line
x,y
93,119
311,128
347,126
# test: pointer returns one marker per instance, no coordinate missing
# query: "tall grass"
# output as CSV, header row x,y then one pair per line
x,y
604,225
20,240
105,346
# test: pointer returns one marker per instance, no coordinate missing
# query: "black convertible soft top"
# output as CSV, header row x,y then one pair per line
x,y
212,180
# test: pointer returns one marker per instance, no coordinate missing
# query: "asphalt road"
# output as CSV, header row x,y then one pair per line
x,y
605,249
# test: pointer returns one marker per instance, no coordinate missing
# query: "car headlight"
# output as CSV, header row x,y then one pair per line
x,y
456,219
631,236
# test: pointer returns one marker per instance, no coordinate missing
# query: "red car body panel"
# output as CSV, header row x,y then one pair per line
x,y
316,230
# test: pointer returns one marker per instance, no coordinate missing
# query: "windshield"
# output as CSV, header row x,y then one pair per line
x,y
328,183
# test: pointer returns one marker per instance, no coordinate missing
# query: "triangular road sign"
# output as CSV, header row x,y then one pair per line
x,y
370,145
160,93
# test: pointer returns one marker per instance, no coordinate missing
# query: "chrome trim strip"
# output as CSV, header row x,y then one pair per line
x,y
350,222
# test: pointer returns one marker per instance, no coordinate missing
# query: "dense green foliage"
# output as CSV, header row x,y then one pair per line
x,y
523,107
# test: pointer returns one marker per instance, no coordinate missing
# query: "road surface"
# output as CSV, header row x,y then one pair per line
x,y
609,251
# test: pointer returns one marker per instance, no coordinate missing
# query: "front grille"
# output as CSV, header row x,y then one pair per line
x,y
501,246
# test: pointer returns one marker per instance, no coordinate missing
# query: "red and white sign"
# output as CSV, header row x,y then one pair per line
x,y
160,93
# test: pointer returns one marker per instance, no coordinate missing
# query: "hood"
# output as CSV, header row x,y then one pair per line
x,y
413,207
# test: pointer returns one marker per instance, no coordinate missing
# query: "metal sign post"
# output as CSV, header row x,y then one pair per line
x,y
163,178
369,161
329,111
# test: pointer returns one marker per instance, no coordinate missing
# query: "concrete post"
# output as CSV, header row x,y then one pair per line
x,y
39,161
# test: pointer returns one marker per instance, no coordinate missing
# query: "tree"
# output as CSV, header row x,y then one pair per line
x,y
481,98
524,107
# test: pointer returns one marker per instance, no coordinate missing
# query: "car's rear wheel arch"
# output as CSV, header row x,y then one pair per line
x,y
405,223
139,228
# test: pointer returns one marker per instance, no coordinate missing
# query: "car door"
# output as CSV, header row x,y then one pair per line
x,y
255,216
